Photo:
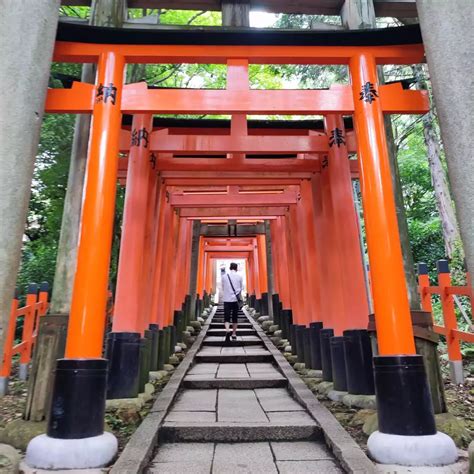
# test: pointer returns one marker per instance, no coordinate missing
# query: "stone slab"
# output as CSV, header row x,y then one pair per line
x,y
183,452
277,400
191,416
202,382
210,368
179,467
232,371
231,358
259,368
301,467
296,417
239,406
300,451
243,458
237,432
196,400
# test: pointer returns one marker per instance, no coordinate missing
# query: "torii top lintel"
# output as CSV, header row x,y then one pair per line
x,y
237,48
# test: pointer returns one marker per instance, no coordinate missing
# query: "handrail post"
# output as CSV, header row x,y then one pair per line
x,y
28,327
43,300
423,284
6,365
450,322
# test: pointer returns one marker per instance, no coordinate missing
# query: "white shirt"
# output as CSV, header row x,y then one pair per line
x,y
229,294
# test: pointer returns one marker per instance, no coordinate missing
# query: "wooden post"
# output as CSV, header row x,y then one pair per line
x,y
450,322
128,312
87,320
392,310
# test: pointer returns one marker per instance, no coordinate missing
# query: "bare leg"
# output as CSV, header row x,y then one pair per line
x,y
234,329
227,326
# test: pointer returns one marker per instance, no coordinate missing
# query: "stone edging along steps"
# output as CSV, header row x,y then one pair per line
x,y
344,448
244,404
139,449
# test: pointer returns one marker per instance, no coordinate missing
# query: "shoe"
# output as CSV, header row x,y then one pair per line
x,y
227,337
234,337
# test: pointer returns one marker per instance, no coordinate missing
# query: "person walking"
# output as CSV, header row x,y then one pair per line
x,y
232,285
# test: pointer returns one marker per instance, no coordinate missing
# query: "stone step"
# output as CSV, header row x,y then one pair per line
x,y
221,320
219,341
240,332
284,457
238,432
231,358
243,326
203,382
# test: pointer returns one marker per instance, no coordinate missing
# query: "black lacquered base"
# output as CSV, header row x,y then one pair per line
x,y
359,363
338,363
326,364
299,339
315,344
307,347
154,328
403,398
276,309
123,354
78,403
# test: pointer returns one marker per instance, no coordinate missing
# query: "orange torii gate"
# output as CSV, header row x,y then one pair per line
x,y
314,261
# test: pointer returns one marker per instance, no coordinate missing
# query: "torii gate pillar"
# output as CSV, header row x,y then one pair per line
x,y
407,431
80,382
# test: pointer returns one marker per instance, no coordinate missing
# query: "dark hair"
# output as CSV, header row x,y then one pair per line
x,y
233,266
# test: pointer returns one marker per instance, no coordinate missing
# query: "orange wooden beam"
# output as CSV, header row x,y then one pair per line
x,y
201,54
232,200
232,212
137,98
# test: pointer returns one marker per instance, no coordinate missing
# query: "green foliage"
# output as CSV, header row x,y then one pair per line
x,y
424,224
47,199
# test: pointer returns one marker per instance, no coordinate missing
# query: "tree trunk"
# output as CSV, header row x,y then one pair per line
x,y
27,33
439,179
103,13
447,35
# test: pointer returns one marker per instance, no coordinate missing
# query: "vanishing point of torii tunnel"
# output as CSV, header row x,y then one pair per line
x,y
277,195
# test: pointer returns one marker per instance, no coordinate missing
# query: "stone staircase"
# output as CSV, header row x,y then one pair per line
x,y
234,413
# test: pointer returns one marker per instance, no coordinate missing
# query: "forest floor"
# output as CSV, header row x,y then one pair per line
x,y
121,422
459,398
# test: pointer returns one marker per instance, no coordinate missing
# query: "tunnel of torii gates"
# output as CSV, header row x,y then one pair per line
x,y
288,183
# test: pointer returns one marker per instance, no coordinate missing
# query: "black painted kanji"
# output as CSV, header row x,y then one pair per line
x,y
368,93
153,160
337,138
106,92
325,163
139,136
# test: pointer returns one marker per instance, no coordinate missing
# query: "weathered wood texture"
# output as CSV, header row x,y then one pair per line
x,y
397,8
50,345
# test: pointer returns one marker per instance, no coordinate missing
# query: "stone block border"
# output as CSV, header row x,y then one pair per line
x,y
139,450
344,448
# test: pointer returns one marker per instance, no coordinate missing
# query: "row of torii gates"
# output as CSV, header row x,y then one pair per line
x,y
288,183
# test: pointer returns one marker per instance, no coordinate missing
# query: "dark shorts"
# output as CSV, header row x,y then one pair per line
x,y
231,308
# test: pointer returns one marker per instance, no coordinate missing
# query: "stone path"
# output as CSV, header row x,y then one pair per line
x,y
235,414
